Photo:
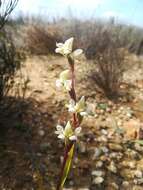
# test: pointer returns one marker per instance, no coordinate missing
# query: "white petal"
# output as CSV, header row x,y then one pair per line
x,y
73,138
59,44
77,130
77,53
59,128
71,109
68,45
58,50
61,136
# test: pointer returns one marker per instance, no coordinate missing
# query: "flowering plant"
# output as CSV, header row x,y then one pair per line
x,y
71,131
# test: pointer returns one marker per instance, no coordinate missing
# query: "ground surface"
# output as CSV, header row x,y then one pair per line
x,y
106,157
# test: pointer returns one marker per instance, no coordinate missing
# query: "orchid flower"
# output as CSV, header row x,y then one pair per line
x,y
65,48
79,107
64,81
67,132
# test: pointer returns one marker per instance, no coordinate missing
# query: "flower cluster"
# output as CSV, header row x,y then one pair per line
x,y
67,132
65,82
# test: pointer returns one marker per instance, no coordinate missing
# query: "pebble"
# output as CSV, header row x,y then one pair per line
x,y
115,147
97,173
98,180
105,149
99,164
114,186
119,123
41,133
82,147
125,184
112,167
138,174
104,132
97,153
102,139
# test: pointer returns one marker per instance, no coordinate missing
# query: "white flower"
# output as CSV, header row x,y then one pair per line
x,y
67,132
79,107
64,81
65,48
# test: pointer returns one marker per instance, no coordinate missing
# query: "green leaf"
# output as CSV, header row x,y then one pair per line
x,y
67,166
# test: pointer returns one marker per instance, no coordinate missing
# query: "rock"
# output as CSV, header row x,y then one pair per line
x,y
114,186
98,180
131,128
105,149
119,123
138,147
116,155
112,167
102,139
129,164
97,173
138,174
41,132
127,173
115,147
104,132
99,164
125,184
82,147
97,153
140,181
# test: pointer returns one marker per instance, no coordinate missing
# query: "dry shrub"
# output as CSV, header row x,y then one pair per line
x,y
9,63
109,68
42,40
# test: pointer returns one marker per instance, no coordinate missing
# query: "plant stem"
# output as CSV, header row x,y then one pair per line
x,y
75,122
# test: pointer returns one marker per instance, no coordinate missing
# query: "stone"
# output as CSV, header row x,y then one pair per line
x,y
115,147
126,173
112,167
97,173
82,147
104,132
114,186
138,174
41,132
99,164
98,180
131,128
105,149
125,184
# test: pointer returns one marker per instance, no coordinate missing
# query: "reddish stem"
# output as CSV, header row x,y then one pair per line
x,y
75,122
